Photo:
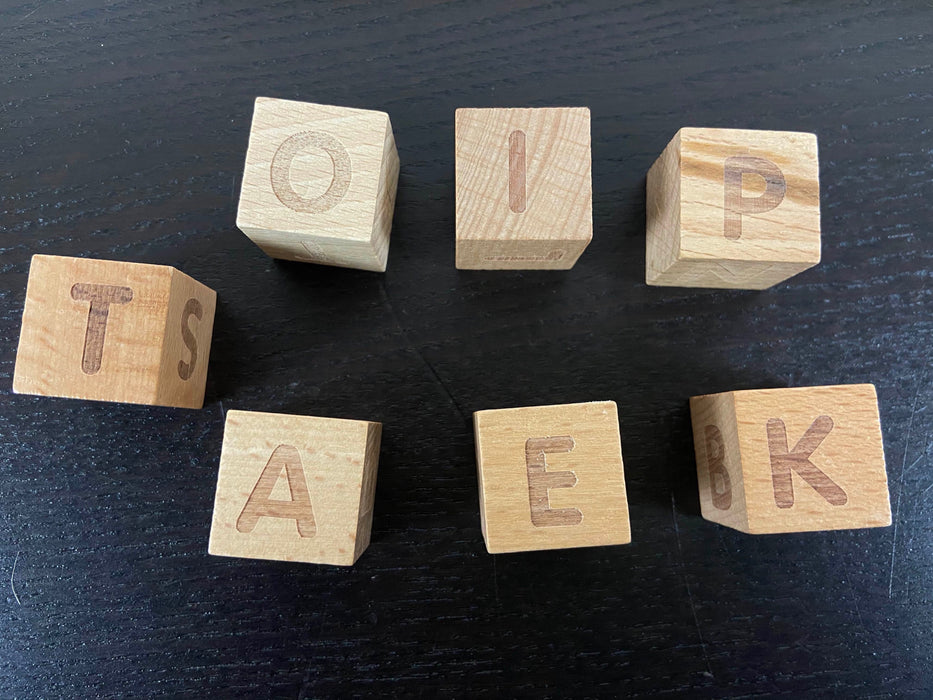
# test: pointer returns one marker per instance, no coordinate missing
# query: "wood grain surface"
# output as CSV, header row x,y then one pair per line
x,y
123,129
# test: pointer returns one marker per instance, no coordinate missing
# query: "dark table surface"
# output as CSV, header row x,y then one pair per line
x,y
123,130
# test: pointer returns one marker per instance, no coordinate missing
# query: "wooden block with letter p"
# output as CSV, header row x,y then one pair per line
x,y
524,190
551,477
295,488
733,209
791,460
319,183
114,331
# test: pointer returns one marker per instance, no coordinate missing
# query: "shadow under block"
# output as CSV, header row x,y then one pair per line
x,y
295,488
114,331
319,183
732,209
791,460
551,477
524,190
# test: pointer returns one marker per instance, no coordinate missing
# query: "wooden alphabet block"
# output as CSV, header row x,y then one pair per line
x,y
295,488
319,183
551,477
114,331
524,192
791,460
733,209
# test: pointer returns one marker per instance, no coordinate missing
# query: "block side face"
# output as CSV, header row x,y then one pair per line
x,y
385,199
727,274
368,489
314,466
720,477
662,213
312,169
814,458
110,353
518,255
320,250
523,174
186,347
552,477
750,195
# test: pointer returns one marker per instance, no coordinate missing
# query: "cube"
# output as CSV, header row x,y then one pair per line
x,y
524,192
295,488
733,209
791,460
551,477
114,331
319,183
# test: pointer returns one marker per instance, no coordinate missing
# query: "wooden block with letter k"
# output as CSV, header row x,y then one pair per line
x,y
551,477
791,460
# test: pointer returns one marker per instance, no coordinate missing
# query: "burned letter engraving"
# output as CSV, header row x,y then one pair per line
x,y
517,171
783,462
736,204
540,480
100,296
192,308
720,485
285,189
284,458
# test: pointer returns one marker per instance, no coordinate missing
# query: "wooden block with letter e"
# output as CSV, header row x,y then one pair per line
x,y
551,477
295,488
114,331
524,190
733,209
791,460
319,183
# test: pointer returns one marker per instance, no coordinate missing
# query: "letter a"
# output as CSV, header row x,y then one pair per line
x,y
798,460
540,480
284,458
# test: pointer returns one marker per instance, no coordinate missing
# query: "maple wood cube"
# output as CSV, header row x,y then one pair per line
x,y
524,191
733,209
791,460
551,477
319,183
295,488
114,331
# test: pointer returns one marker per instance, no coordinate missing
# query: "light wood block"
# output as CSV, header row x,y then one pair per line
x,y
551,477
295,488
524,190
319,183
114,331
733,209
791,460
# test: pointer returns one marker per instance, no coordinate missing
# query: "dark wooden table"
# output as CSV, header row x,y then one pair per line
x,y
123,130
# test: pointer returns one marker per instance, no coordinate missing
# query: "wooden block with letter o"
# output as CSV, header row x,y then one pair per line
x,y
114,331
524,191
733,209
791,460
295,488
551,477
319,183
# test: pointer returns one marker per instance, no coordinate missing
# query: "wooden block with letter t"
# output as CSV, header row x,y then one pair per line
x,y
319,183
733,209
295,488
114,331
524,190
551,477
791,460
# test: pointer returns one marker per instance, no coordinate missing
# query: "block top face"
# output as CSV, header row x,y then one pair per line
x,y
327,456
551,477
834,429
312,168
524,174
749,195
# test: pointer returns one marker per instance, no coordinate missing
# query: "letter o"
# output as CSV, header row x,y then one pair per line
x,y
282,164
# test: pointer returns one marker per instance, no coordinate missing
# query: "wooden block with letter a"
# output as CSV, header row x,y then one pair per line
x,y
733,209
524,191
295,488
114,331
319,183
791,460
551,477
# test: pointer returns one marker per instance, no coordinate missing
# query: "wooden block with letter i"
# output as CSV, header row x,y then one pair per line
x,y
295,488
114,331
319,183
551,477
733,209
791,460
524,190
